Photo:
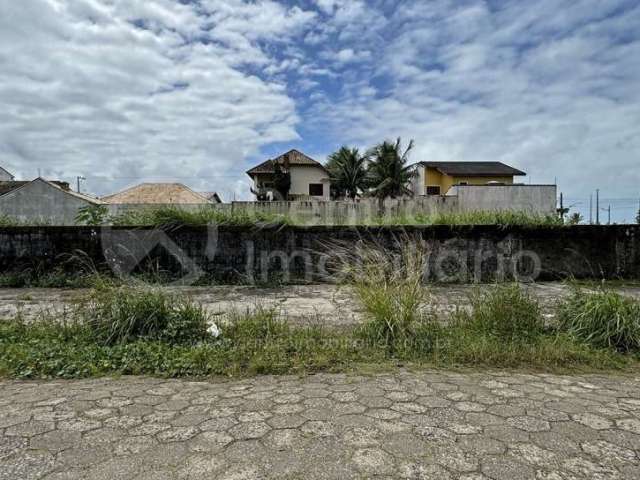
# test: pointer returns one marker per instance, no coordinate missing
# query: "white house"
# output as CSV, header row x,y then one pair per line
x,y
309,178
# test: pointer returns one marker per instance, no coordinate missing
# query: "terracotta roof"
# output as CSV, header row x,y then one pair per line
x,y
157,193
294,157
478,169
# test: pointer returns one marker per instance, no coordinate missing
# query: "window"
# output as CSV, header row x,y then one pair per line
x,y
433,190
316,190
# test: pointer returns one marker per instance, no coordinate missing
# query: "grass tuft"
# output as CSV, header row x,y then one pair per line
x,y
174,216
505,312
604,319
122,314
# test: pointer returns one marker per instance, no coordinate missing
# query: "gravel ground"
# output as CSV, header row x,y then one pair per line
x,y
325,304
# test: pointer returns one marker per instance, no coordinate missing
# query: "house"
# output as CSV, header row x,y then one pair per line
x,y
213,197
309,179
437,178
42,201
5,176
158,194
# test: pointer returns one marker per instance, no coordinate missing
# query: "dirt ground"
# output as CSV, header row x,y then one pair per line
x,y
329,305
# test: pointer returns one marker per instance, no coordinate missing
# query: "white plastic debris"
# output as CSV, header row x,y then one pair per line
x,y
213,330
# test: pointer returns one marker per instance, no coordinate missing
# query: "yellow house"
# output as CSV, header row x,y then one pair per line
x,y
436,178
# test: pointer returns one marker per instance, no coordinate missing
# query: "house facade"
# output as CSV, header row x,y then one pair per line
x,y
308,179
437,178
5,175
42,201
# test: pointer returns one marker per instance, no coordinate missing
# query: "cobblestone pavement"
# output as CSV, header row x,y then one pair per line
x,y
300,304
404,425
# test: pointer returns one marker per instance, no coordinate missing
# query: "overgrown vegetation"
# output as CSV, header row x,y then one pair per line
x,y
168,216
137,329
604,319
503,218
122,314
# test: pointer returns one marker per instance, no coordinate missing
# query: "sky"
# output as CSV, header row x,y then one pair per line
x,y
126,91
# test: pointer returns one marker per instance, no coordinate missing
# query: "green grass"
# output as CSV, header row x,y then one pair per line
x,y
168,216
604,319
502,218
141,330
504,312
122,314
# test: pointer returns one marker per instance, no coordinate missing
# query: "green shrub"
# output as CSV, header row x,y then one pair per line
x,y
173,216
604,319
389,284
121,314
505,312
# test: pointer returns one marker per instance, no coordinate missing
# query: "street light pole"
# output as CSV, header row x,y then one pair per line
x,y
79,178
597,206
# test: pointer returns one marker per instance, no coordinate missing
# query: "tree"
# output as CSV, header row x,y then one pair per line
x,y
388,173
281,180
638,217
575,219
348,172
92,215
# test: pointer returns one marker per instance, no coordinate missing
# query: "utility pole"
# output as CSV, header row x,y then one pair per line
x,y
597,206
609,219
591,209
79,178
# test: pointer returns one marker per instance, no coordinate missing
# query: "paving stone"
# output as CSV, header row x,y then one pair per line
x,y
373,461
411,425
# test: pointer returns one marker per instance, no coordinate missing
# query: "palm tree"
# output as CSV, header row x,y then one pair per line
x,y
348,172
389,175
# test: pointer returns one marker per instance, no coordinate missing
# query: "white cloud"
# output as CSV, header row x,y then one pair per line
x,y
123,91
548,86
193,91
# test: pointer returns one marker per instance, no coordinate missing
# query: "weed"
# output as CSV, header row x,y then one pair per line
x,y
122,314
505,312
602,319
173,216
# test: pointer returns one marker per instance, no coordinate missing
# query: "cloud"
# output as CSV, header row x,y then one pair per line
x,y
197,91
546,86
125,91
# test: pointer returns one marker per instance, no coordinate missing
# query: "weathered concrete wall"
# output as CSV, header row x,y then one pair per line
x,y
464,254
539,199
39,202
351,213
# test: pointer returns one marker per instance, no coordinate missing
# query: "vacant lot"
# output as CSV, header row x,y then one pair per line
x,y
301,304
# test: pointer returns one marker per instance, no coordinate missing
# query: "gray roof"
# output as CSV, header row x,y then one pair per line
x,y
7,172
478,169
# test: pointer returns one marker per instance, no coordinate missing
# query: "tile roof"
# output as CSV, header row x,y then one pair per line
x,y
157,193
480,169
294,157
10,186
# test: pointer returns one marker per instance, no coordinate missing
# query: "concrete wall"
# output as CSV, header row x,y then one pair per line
x,y
527,198
350,213
39,202
302,176
479,253
5,176
533,199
